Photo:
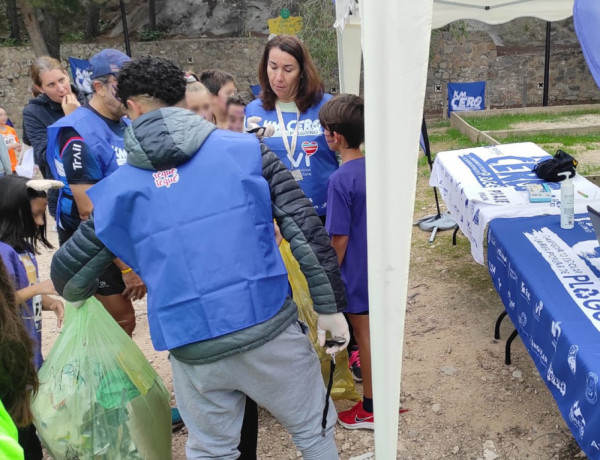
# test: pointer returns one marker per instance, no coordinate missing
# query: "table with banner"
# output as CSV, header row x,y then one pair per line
x,y
548,280
484,183
547,277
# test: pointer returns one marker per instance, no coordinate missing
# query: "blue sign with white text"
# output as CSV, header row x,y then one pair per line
x,y
466,96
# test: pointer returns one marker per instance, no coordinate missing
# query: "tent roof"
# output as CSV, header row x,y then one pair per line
x,y
499,11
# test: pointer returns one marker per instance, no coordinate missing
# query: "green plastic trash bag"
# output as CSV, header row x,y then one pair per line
x,y
99,397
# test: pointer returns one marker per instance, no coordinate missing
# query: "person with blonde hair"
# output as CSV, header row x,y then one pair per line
x,y
58,98
197,99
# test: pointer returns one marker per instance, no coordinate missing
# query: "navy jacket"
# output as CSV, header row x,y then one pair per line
x,y
38,114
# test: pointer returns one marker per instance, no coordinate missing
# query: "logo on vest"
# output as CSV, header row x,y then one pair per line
x,y
166,178
310,148
121,155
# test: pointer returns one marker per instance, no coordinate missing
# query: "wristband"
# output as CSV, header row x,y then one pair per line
x,y
127,270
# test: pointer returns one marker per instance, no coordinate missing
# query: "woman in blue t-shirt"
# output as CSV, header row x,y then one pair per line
x,y
291,96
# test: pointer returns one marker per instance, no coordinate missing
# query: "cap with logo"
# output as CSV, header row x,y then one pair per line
x,y
107,62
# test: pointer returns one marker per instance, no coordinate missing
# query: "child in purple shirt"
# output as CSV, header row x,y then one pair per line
x,y
342,119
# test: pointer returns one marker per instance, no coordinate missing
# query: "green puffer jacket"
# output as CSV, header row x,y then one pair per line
x,y
78,263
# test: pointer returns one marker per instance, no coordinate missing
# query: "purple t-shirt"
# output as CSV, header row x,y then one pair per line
x,y
347,215
23,271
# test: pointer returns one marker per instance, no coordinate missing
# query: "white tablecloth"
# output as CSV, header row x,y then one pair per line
x,y
483,183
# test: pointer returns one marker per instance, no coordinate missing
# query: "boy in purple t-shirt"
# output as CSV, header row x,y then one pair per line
x,y
342,119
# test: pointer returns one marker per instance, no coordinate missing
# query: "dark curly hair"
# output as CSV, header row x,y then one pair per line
x,y
153,76
18,377
310,88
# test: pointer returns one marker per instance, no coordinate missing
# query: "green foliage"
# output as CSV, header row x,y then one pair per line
x,y
73,36
317,33
151,35
58,7
8,42
320,37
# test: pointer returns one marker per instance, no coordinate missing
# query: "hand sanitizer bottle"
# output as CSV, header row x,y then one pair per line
x,y
567,202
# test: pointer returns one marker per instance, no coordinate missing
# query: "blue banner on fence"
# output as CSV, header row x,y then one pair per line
x,y
466,96
81,74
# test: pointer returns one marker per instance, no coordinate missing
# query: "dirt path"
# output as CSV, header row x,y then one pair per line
x,y
464,402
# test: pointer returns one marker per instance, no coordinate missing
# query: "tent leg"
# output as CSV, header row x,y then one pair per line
x,y
547,65
498,322
454,235
512,337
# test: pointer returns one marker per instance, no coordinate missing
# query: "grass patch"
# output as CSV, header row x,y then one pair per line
x,y
564,139
504,122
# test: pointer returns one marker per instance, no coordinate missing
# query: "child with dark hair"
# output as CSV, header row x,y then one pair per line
x,y
342,119
221,86
236,108
18,376
22,228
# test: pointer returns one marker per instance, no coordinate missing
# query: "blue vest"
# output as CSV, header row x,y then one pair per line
x,y
201,237
103,143
312,157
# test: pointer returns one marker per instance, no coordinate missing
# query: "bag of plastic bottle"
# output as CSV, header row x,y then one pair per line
x,y
343,384
99,397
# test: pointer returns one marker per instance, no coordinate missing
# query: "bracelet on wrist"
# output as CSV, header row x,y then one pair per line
x,y
127,270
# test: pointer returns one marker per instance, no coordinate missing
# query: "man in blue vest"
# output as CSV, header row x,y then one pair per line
x,y
83,148
192,212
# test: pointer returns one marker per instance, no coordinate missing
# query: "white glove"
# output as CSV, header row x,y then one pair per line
x,y
337,325
253,127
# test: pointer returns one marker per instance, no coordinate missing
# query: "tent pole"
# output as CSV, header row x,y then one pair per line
x,y
547,64
125,31
430,161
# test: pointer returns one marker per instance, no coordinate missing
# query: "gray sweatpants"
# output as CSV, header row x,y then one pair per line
x,y
283,376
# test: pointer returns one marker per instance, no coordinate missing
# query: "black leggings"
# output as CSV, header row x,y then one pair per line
x,y
249,438
30,443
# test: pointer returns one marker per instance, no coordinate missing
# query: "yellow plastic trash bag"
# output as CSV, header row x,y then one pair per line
x,y
343,384
99,397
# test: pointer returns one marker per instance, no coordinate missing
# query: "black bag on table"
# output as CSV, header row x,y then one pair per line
x,y
561,162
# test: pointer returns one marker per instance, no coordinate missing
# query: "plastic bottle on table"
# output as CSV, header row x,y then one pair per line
x,y
567,202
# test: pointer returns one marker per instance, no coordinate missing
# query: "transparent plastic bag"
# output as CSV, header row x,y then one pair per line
x,y
343,384
99,397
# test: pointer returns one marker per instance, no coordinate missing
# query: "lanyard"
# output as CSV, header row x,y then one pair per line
x,y
290,150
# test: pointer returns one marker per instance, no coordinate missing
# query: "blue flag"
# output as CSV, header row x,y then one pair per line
x,y
81,74
466,96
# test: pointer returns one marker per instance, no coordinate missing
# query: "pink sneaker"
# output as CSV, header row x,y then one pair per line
x,y
354,365
357,418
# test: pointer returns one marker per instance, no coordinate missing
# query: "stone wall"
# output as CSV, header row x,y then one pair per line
x,y
240,56
513,72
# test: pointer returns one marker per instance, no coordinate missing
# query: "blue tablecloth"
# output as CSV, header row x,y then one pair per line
x,y
548,279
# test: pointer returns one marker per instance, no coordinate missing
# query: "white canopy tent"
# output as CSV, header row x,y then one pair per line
x,y
395,43
348,24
